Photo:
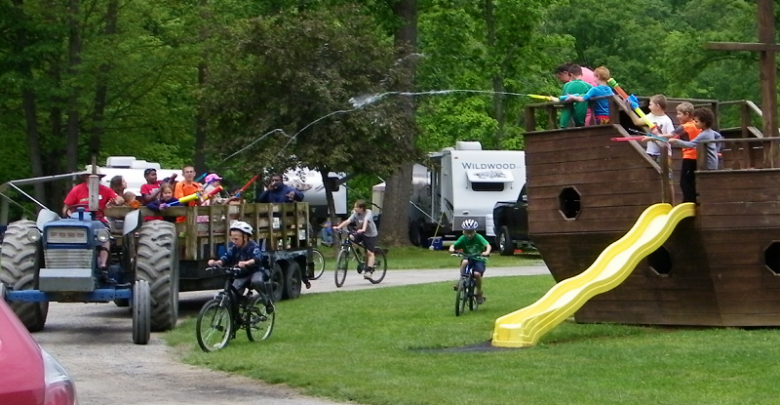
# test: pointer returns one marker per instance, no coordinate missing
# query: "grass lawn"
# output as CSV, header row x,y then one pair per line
x,y
417,258
370,346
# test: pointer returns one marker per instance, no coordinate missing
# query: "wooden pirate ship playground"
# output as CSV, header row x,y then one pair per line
x,y
600,212
719,264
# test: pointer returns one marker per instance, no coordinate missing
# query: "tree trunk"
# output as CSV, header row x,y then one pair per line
x,y
30,110
398,188
498,82
199,158
101,93
331,204
74,60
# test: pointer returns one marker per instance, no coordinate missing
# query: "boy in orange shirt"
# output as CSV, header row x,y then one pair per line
x,y
687,131
187,187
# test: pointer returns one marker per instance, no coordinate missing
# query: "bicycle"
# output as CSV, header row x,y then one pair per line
x,y
319,263
351,250
466,288
221,317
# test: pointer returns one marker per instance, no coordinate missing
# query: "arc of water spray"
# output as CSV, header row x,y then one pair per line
x,y
360,102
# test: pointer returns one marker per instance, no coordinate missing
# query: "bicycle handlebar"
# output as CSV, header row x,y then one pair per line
x,y
464,255
231,271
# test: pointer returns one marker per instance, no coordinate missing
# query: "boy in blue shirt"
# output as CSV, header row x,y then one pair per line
x,y
601,106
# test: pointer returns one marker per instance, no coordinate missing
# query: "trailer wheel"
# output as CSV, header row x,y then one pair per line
x,y
292,280
157,263
416,234
505,244
277,282
21,260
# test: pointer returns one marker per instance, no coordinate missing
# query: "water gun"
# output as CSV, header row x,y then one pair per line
x,y
540,97
656,137
631,100
246,186
191,197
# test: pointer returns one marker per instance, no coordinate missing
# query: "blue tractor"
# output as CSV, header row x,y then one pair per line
x,y
56,259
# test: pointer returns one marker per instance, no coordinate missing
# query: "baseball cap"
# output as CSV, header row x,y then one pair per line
x,y
88,171
212,177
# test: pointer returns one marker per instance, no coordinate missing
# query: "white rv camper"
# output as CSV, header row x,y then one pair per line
x,y
132,170
460,183
309,182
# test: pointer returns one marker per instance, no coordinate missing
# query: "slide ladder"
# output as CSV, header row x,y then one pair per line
x,y
524,327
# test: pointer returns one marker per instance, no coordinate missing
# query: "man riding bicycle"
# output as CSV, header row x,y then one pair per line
x,y
476,247
245,254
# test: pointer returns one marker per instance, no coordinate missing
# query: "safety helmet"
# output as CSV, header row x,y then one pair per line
x,y
469,225
241,226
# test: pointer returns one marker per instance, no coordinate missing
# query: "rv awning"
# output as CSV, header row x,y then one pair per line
x,y
489,176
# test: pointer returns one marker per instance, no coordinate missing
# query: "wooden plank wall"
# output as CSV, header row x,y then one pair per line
x,y
615,180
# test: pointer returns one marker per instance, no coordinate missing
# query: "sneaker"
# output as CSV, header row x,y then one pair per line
x,y
367,274
307,284
455,287
480,298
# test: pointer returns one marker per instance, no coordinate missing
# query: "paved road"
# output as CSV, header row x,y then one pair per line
x,y
93,341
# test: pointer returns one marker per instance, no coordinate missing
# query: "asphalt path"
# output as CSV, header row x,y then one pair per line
x,y
93,342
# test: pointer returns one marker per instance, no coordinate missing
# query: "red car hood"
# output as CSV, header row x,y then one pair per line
x,y
21,364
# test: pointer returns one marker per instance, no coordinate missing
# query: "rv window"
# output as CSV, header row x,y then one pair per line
x,y
487,186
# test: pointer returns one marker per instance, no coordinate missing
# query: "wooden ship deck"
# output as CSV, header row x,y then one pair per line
x,y
719,268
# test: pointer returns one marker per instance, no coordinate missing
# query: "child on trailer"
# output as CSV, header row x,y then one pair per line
x,y
477,247
165,200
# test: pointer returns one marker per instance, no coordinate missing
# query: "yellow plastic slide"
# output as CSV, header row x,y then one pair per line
x,y
524,327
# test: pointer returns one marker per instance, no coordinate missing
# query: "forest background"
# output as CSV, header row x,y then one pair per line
x,y
232,85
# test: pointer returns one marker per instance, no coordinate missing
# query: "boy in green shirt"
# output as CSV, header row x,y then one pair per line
x,y
576,87
476,247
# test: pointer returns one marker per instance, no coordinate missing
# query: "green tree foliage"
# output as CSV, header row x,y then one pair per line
x,y
290,70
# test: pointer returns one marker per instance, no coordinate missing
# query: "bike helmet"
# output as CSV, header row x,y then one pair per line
x,y
242,226
469,225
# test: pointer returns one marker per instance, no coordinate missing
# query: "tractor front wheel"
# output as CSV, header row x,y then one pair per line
x,y
21,260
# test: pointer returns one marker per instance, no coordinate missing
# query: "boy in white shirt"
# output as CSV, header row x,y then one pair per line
x,y
658,117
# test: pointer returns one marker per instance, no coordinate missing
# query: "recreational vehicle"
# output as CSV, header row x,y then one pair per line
x,y
460,183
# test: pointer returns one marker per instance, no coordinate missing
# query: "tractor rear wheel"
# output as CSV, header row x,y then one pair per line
x,y
21,260
157,262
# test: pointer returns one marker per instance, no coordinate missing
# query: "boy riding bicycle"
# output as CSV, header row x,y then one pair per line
x,y
245,254
476,248
366,233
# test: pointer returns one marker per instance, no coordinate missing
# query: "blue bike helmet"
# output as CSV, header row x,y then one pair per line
x,y
469,225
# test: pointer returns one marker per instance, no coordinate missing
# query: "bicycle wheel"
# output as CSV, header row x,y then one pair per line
x,y
380,266
319,263
472,294
259,322
342,265
460,298
214,326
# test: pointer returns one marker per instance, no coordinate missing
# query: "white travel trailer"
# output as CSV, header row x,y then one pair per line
x,y
132,170
460,183
309,182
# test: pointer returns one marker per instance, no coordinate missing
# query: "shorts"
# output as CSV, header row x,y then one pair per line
x,y
602,119
477,266
368,241
256,279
